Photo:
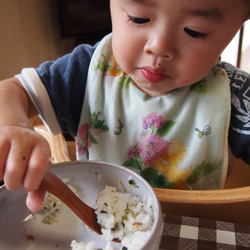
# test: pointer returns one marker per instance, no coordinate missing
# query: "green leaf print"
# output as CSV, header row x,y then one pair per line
x,y
201,87
155,179
93,117
95,123
166,128
92,138
203,169
124,81
100,125
132,163
96,127
103,66
118,69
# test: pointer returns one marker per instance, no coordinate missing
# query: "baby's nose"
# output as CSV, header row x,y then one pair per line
x,y
161,45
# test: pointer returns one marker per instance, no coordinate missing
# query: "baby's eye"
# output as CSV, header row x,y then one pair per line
x,y
195,34
138,20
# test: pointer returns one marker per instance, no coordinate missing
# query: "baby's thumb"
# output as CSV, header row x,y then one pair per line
x,y
34,200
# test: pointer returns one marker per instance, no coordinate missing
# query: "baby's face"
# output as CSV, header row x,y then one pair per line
x,y
168,44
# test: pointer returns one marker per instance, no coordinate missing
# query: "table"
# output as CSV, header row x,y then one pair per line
x,y
193,233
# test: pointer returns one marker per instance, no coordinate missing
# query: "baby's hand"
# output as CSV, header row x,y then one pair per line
x,y
24,159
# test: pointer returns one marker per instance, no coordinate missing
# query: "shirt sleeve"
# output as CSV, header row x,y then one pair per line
x,y
239,131
64,81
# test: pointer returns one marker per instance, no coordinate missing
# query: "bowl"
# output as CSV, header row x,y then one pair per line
x,y
24,230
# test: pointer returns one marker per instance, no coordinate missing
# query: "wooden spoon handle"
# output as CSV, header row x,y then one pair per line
x,y
58,188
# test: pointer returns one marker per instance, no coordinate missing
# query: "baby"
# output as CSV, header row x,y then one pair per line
x,y
152,96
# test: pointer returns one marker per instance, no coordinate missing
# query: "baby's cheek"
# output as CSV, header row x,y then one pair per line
x,y
183,82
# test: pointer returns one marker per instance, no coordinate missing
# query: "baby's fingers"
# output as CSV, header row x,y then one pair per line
x,y
4,149
39,163
14,159
34,200
15,169
25,158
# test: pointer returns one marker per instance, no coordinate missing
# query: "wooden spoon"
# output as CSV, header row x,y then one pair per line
x,y
58,188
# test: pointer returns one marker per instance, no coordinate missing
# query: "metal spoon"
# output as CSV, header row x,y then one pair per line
x,y
58,188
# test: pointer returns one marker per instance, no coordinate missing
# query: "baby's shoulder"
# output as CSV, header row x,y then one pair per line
x,y
239,131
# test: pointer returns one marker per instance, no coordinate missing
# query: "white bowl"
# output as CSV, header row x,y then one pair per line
x,y
88,177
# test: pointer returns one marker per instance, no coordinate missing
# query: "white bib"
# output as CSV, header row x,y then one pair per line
x,y
178,140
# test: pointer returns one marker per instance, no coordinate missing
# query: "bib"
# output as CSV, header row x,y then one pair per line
x,y
178,140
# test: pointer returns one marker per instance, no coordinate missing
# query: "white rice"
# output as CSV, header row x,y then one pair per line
x,y
52,206
121,216
124,217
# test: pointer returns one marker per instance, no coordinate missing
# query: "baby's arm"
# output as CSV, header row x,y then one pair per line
x,y
24,154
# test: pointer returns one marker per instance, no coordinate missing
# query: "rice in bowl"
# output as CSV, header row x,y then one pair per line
x,y
124,217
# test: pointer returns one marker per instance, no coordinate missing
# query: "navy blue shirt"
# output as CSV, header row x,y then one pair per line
x,y
65,80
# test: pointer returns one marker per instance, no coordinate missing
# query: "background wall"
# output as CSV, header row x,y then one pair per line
x,y
230,54
245,59
29,35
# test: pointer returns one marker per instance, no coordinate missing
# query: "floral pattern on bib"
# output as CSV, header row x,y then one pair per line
x,y
157,158
88,132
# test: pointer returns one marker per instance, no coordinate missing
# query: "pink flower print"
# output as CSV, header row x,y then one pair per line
x,y
153,147
153,119
159,122
83,132
133,151
81,149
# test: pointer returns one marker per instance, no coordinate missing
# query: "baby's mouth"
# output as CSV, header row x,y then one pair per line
x,y
153,75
